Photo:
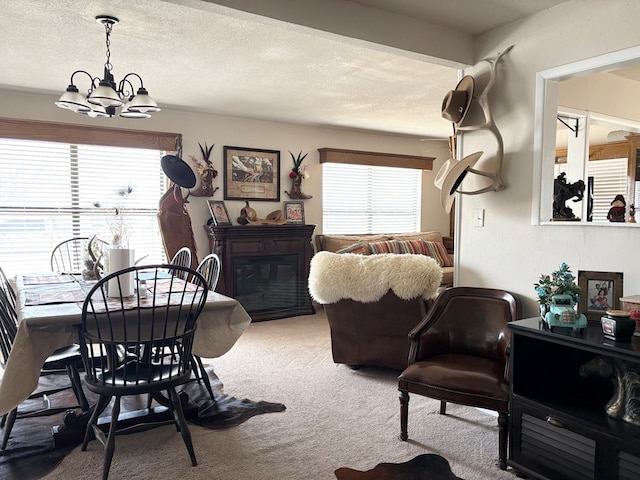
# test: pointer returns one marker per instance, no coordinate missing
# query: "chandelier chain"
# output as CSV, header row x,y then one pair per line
x,y
107,27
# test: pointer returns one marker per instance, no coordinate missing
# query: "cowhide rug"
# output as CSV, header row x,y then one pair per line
x,y
31,454
427,466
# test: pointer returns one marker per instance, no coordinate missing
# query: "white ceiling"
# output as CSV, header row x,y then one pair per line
x,y
203,56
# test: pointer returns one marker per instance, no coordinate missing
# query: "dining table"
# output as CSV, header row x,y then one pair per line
x,y
50,310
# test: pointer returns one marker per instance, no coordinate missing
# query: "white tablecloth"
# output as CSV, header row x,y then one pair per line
x,y
45,328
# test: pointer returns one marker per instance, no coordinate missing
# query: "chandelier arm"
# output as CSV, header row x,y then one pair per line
x,y
92,78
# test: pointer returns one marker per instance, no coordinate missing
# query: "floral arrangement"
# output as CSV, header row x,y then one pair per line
x,y
560,282
297,168
117,222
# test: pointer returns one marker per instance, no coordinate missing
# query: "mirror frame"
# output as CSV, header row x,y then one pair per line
x,y
544,139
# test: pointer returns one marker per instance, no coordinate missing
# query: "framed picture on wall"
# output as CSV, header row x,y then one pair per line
x,y
219,212
599,292
251,174
294,212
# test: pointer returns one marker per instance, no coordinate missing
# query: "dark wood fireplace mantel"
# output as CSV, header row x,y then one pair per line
x,y
265,267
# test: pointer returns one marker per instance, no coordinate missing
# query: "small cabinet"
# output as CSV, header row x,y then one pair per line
x,y
559,429
265,267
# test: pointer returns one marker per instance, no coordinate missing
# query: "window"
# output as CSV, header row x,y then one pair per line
x,y
48,192
370,199
609,180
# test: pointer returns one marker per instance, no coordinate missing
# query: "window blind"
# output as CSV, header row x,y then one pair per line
x,y
610,179
367,199
51,191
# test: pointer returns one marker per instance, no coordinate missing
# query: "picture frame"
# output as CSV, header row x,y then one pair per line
x,y
251,174
294,212
599,292
219,212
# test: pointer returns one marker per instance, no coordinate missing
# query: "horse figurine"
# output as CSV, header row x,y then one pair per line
x,y
563,191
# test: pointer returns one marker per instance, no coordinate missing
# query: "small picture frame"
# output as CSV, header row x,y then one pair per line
x,y
219,213
251,174
294,212
599,292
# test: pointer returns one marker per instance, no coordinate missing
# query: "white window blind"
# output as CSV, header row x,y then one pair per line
x,y
366,199
48,192
609,180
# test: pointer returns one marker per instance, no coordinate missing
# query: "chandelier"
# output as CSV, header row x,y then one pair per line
x,y
104,96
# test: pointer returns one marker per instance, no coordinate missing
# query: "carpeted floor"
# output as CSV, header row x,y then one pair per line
x,y
335,417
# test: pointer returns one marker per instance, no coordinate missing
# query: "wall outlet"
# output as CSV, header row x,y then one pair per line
x,y
478,217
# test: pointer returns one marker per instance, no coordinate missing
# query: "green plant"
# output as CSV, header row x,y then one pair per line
x,y
560,281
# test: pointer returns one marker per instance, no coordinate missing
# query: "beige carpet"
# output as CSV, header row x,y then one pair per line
x,y
335,417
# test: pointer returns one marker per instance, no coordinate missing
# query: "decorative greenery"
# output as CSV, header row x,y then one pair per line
x,y
560,282
297,162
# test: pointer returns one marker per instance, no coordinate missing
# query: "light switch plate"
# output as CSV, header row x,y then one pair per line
x,y
478,217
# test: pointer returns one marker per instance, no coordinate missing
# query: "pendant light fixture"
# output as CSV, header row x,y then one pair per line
x,y
104,95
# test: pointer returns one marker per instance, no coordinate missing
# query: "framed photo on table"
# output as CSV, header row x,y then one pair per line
x,y
251,174
219,212
294,212
599,292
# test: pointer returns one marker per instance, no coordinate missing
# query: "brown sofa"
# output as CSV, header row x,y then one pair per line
x,y
336,243
372,303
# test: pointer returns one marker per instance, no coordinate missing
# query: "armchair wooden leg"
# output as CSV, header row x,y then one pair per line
x,y
404,414
503,432
443,407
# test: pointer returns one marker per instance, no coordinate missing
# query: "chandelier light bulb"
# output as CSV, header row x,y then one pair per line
x,y
105,95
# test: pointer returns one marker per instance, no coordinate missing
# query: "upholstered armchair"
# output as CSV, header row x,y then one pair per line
x,y
372,303
459,354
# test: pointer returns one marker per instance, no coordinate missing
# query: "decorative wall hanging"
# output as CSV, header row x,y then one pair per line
x,y
206,172
455,107
251,174
297,174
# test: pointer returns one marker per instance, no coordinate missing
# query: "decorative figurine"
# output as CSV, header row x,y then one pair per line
x,y
563,191
206,172
617,210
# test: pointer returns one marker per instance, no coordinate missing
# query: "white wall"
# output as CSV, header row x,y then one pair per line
x,y
509,252
254,134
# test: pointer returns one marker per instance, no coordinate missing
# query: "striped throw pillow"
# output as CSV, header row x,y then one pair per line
x,y
438,252
359,248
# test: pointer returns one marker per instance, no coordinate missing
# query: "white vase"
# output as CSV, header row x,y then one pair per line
x,y
119,259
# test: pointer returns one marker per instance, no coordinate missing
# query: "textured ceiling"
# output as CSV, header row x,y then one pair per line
x,y
204,56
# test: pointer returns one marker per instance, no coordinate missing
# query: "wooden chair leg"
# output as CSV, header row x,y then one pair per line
x,y
76,385
202,373
10,420
503,432
404,414
110,447
102,403
178,414
443,407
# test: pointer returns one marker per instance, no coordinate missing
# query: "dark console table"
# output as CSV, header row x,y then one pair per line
x,y
265,267
559,429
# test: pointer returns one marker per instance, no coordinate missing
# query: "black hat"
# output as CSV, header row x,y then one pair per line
x,y
619,198
178,171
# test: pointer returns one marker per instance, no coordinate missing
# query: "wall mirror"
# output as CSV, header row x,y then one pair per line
x,y
587,126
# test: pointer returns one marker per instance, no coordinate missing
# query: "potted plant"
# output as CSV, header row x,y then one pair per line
x,y
560,282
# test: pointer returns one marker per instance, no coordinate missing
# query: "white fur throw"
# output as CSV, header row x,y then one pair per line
x,y
367,278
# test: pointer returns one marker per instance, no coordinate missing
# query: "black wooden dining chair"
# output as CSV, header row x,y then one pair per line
x,y
209,268
164,319
67,358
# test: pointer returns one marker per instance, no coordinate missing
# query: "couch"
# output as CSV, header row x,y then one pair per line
x,y
428,243
372,302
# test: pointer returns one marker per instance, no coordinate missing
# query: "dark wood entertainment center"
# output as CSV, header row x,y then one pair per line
x,y
559,429
265,267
